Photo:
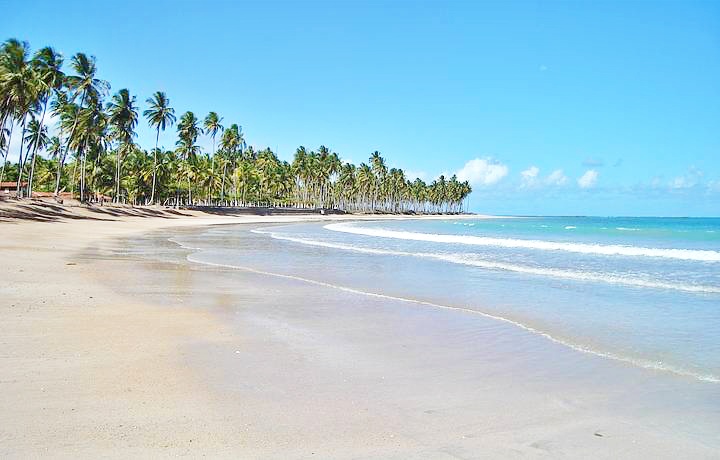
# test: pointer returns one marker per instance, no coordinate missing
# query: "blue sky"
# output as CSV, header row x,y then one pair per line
x,y
602,108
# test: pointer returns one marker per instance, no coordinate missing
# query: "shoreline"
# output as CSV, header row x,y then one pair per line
x,y
104,370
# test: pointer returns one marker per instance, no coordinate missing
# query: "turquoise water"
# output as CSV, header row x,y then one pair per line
x,y
642,291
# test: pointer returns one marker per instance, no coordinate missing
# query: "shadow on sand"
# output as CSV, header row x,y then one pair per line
x,y
41,210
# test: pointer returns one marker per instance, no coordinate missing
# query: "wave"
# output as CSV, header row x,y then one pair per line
x,y
492,265
582,248
643,363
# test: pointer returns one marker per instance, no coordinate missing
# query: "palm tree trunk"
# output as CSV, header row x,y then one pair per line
x,y
74,173
152,194
7,150
61,161
117,176
222,191
82,177
212,171
189,190
21,165
70,136
35,147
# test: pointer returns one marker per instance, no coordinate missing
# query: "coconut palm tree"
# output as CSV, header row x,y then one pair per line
x,y
37,138
18,89
88,128
232,144
159,115
188,132
47,63
123,119
90,89
379,170
66,112
91,142
212,127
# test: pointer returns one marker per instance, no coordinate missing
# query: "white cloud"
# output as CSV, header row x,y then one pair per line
x,y
589,179
556,177
681,182
482,172
529,176
687,180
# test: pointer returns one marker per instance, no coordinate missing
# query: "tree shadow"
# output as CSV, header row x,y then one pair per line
x,y
40,210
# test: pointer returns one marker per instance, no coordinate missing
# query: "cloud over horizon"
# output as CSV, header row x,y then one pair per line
x,y
589,179
482,172
688,180
529,177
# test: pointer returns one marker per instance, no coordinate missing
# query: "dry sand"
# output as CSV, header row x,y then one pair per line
x,y
89,371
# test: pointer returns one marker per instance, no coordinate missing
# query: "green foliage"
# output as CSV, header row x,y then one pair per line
x,y
93,152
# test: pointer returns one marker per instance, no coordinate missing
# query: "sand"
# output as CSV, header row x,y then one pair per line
x,y
112,357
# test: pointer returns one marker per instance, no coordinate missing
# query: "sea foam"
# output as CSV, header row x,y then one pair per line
x,y
610,278
639,362
582,248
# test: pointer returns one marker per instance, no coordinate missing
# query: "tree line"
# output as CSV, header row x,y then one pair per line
x,y
94,155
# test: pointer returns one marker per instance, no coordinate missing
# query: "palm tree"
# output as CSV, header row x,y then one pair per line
x,y
47,63
54,147
89,88
91,143
159,115
379,170
88,128
66,112
231,146
37,139
18,90
212,126
188,132
123,119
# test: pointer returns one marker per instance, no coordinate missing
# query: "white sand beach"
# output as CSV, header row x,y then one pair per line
x,y
104,356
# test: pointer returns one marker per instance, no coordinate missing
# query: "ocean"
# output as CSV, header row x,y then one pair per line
x,y
641,291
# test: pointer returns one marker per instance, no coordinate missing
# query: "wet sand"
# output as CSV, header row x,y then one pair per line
x,y
110,353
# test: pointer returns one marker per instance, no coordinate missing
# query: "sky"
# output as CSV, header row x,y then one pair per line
x,y
547,108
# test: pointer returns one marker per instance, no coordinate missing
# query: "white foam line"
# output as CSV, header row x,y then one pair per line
x,y
658,366
583,248
565,274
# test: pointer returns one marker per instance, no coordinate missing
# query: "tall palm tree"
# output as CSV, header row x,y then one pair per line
x,y
37,138
159,115
89,128
91,143
379,170
18,90
188,132
66,112
48,67
90,88
123,119
212,127
231,144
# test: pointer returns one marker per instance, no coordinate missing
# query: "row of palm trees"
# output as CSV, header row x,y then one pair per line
x,y
94,154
